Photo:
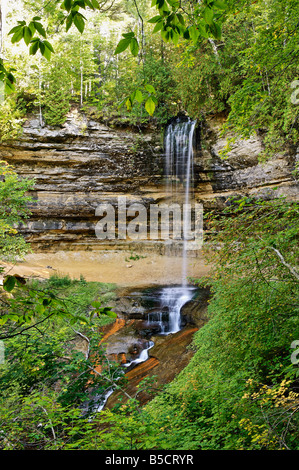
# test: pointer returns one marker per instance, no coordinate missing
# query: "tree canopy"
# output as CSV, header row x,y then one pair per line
x,y
135,60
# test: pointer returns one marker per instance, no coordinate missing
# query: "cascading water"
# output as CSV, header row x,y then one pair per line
x,y
179,170
174,298
142,357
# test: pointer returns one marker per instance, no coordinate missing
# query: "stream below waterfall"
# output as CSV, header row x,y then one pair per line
x,y
158,311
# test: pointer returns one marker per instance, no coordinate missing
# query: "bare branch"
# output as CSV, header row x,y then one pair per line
x,y
86,339
287,265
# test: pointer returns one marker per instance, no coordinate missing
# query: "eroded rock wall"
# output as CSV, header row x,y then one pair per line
x,y
86,163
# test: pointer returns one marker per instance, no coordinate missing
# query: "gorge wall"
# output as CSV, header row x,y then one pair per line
x,y
85,163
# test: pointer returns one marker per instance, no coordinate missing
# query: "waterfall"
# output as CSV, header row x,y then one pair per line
x,y
175,298
179,170
189,178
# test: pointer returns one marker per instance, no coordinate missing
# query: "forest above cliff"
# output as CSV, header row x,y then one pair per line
x,y
234,59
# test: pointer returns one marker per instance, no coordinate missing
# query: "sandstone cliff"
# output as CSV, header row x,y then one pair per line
x,y
85,163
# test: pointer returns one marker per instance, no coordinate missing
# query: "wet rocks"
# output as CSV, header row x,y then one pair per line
x,y
194,312
167,358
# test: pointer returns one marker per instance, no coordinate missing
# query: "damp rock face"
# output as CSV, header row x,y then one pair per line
x,y
85,163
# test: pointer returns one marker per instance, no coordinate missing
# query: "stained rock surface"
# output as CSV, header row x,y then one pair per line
x,y
85,163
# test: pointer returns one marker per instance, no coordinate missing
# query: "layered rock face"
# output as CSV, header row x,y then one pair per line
x,y
241,172
76,168
86,163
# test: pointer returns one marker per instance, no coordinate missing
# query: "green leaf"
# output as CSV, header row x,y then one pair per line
x,y
208,15
165,35
122,45
81,319
10,77
163,8
150,106
15,29
79,3
89,4
9,283
216,30
181,19
39,27
49,46
27,35
194,33
158,27
40,309
175,37
129,104
42,47
17,36
132,96
69,22
68,4
34,47
32,27
155,19
139,96
134,47
121,103
47,53
96,4
79,22
9,87
220,4
187,34
174,3
19,279
128,35
14,318
4,319
111,314
150,88
202,31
